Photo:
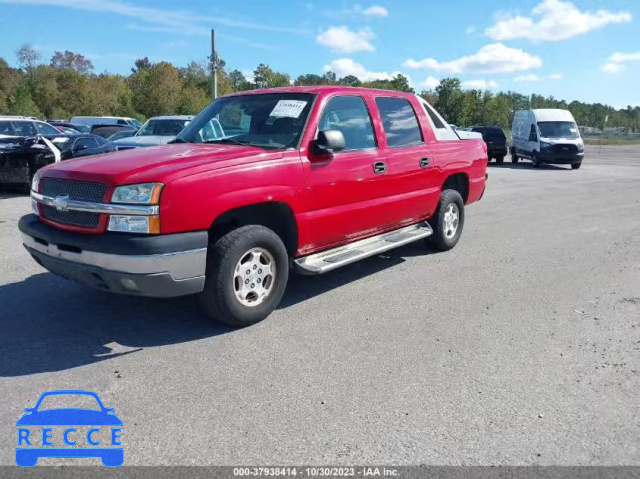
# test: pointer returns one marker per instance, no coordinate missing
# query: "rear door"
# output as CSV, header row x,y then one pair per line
x,y
412,188
346,192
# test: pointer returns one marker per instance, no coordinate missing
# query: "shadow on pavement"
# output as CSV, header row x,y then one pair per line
x,y
50,324
526,165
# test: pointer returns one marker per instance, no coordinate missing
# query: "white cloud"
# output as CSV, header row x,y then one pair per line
x,y
182,22
343,40
346,66
617,62
248,75
554,20
375,11
430,83
532,77
479,85
494,58
471,30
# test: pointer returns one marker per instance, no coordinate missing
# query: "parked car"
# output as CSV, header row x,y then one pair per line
x,y
106,120
158,130
105,131
13,126
22,156
496,142
121,134
74,126
82,144
546,136
299,177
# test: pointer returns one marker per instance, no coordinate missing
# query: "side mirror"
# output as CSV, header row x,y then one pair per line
x,y
28,409
80,148
328,142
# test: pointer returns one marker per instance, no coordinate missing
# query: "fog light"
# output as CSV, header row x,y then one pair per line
x,y
129,284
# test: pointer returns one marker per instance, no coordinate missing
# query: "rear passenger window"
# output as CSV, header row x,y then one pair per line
x,y
434,118
349,114
400,122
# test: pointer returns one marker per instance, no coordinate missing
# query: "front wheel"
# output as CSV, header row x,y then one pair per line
x,y
514,157
247,273
448,221
535,160
500,160
576,166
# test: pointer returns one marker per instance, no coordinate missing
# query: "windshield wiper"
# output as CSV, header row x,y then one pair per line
x,y
230,141
177,140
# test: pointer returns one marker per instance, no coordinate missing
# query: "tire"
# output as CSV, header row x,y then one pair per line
x,y
246,247
576,166
500,160
514,157
441,239
534,160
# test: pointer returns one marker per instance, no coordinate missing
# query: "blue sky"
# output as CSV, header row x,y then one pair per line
x,y
585,50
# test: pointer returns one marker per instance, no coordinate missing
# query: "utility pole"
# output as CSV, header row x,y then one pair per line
x,y
214,65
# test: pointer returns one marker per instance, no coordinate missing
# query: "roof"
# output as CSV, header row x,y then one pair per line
x,y
318,89
552,114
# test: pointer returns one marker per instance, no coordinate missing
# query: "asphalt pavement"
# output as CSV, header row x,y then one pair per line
x,y
521,346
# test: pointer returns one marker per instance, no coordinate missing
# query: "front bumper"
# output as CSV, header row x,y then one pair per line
x,y
156,266
561,158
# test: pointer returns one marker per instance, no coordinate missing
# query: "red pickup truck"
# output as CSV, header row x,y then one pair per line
x,y
259,183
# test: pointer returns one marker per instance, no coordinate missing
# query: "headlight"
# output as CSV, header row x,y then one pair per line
x,y
35,182
544,144
143,194
134,224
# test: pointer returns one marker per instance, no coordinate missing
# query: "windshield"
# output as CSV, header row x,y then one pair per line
x,y
135,123
168,127
270,120
558,129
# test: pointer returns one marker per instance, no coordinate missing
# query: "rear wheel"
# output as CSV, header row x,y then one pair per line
x,y
247,273
514,157
448,221
576,166
500,160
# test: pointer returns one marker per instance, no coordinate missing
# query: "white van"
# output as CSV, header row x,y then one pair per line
x,y
106,120
546,136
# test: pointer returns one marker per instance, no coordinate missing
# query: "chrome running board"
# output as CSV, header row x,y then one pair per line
x,y
324,261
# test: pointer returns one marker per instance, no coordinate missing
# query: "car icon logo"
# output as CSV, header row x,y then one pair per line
x,y
69,432
61,203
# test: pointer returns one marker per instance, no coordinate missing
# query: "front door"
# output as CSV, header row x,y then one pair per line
x,y
345,192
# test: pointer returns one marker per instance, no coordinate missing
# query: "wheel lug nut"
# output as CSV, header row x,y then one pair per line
x,y
248,271
259,271
253,285
258,281
254,266
246,281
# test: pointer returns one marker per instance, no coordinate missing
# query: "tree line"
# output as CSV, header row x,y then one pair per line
x,y
67,85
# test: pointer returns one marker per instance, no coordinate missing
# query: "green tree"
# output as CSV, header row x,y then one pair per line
x,y
71,61
238,81
265,77
449,103
23,104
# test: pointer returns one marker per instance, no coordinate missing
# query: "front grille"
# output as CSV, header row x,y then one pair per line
x,y
75,190
565,149
83,219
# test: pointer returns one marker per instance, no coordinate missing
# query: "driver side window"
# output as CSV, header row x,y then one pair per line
x,y
349,115
533,134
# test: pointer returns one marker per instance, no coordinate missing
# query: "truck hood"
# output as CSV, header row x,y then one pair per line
x,y
157,163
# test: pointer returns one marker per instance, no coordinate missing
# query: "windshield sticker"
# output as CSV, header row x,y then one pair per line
x,y
288,109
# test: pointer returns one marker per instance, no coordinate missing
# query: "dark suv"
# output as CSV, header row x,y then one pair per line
x,y
496,142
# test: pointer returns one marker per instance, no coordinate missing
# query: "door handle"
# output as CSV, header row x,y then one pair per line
x,y
424,162
379,167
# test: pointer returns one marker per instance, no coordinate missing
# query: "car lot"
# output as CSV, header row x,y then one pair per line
x,y
520,346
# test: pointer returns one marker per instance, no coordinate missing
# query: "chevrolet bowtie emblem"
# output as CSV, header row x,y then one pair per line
x,y
61,203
